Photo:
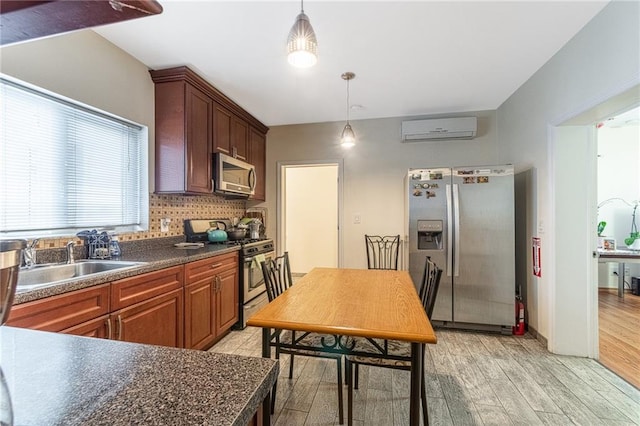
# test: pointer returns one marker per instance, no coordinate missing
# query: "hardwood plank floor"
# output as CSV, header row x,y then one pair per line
x,y
472,379
619,326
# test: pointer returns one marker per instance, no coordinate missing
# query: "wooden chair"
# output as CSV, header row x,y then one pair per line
x,y
399,351
382,252
277,277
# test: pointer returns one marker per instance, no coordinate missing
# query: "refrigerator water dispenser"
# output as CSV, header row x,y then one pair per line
x,y
429,235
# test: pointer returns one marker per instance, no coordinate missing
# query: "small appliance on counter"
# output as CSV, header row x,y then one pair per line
x,y
10,254
252,291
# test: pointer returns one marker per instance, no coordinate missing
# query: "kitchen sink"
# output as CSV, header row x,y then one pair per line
x,y
51,274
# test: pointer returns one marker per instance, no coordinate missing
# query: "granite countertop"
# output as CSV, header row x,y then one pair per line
x,y
63,379
158,254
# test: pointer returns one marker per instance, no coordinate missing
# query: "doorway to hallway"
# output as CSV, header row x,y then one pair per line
x,y
309,205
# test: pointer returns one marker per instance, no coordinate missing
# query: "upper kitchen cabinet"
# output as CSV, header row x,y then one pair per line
x,y
231,133
22,20
193,121
257,157
183,138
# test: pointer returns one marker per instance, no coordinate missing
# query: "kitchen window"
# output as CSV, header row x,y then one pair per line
x,y
65,166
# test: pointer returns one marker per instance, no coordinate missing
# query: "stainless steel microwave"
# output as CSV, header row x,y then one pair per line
x,y
233,177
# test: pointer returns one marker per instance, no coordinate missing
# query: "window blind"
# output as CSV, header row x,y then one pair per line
x,y
67,167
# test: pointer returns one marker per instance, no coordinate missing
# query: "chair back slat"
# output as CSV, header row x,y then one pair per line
x,y
429,286
382,252
277,275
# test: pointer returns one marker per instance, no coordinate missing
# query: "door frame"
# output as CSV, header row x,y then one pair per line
x,y
281,167
583,118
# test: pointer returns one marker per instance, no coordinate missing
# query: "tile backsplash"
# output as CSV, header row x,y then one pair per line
x,y
177,208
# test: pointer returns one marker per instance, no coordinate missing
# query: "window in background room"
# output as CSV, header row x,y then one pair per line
x,y
65,166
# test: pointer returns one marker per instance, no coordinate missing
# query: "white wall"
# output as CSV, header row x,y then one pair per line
x,y
84,66
601,61
373,170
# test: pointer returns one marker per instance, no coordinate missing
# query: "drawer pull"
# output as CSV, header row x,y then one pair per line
x,y
217,265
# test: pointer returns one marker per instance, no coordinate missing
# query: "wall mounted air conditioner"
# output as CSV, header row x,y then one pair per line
x,y
439,129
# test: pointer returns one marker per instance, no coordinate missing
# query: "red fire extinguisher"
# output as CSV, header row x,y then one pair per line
x,y
518,329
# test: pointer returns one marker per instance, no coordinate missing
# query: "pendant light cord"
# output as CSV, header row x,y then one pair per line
x,y
302,6
348,101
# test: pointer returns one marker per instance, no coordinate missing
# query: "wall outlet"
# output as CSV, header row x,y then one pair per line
x,y
357,219
164,224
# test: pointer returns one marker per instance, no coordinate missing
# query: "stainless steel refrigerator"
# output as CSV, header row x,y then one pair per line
x,y
463,217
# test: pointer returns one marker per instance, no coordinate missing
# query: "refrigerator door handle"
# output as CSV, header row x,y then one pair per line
x,y
449,232
456,225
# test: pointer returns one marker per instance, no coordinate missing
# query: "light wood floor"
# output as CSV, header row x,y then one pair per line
x,y
619,326
471,379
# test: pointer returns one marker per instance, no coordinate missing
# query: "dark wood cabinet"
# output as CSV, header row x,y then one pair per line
x,y
182,162
183,139
22,20
222,123
57,313
239,139
211,299
257,157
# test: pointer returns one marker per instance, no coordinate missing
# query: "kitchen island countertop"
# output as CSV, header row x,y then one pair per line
x,y
62,379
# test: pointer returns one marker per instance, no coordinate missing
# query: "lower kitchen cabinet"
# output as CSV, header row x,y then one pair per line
x,y
64,311
148,308
211,299
227,300
157,321
191,306
99,327
199,314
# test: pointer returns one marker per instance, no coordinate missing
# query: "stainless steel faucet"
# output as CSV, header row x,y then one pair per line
x,y
70,246
29,254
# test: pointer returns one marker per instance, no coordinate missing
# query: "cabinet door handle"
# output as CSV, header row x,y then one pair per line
x,y
235,152
217,265
218,283
119,327
108,324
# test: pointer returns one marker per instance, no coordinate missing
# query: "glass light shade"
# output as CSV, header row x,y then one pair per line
x,y
302,44
348,138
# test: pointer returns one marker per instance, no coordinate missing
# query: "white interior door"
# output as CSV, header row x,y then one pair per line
x,y
310,202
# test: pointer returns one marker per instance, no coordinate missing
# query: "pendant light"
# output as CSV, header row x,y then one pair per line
x,y
348,138
301,43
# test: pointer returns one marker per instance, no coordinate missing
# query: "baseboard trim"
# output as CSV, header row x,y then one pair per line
x,y
538,336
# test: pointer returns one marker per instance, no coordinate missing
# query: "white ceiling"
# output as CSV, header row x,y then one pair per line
x,y
410,58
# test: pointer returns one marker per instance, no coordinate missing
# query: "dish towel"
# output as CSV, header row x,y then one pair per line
x,y
259,258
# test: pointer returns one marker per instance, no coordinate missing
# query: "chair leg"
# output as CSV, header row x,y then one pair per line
x,y
423,394
273,396
340,403
357,375
349,370
291,366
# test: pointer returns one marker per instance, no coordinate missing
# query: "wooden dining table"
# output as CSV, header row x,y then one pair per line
x,y
367,303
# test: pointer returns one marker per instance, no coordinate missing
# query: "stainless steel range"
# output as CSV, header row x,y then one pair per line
x,y
252,291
